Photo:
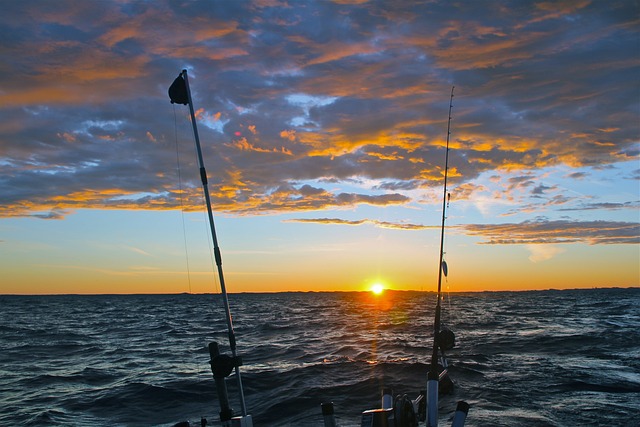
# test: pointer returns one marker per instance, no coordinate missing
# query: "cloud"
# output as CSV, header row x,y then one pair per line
x,y
600,206
289,198
541,253
541,237
137,250
376,223
543,231
294,94
54,213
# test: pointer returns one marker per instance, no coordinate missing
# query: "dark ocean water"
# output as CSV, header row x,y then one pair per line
x,y
548,358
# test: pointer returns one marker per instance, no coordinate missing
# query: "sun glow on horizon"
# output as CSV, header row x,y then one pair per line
x,y
377,288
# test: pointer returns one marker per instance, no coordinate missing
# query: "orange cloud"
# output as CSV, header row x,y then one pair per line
x,y
244,145
288,134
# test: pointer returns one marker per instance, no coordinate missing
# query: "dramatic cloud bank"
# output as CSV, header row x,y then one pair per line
x,y
310,106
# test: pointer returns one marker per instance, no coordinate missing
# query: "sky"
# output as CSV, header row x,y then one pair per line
x,y
323,126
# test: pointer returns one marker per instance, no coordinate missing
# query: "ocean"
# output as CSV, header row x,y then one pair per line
x,y
538,358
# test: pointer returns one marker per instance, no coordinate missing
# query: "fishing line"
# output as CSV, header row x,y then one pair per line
x,y
210,245
446,277
203,204
179,171
447,313
182,209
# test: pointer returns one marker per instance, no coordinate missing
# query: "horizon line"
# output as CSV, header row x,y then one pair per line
x,y
320,292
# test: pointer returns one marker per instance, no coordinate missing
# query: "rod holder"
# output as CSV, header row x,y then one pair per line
x,y
226,412
387,398
432,399
460,415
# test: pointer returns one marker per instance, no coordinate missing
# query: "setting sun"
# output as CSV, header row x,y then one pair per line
x,y
377,288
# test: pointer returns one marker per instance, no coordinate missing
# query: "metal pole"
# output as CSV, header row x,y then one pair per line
x,y
216,248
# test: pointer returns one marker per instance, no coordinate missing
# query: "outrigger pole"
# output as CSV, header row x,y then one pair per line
x,y
221,365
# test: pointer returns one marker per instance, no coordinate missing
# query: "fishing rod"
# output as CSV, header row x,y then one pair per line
x,y
441,266
443,339
221,365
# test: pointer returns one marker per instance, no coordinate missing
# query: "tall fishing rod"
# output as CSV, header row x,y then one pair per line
x,y
180,93
434,374
436,324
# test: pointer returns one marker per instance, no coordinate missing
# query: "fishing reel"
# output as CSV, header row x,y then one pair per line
x,y
446,339
399,412
221,366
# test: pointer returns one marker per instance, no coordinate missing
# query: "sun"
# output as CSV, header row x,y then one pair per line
x,y
377,288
